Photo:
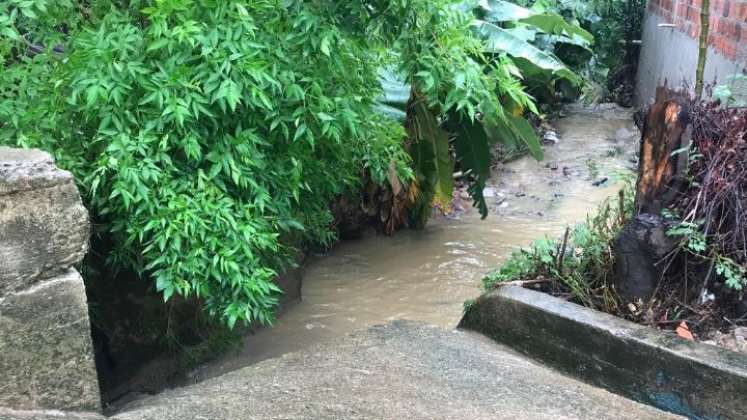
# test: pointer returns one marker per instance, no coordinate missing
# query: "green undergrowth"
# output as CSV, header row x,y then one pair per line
x,y
578,265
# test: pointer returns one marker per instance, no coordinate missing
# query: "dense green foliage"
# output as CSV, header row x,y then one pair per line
x,y
208,137
532,38
508,54
580,263
616,26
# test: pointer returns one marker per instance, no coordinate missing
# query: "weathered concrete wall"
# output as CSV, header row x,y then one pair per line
x,y
670,53
46,355
691,379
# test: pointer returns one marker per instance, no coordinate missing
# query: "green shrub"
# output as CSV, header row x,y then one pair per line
x,y
208,137
615,25
581,263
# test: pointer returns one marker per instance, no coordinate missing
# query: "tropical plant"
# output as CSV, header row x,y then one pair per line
x,y
733,92
208,137
616,26
531,38
509,55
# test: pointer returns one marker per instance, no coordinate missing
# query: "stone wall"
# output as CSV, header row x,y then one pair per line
x,y
671,33
46,355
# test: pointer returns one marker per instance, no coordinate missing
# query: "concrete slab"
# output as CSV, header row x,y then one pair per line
x,y
403,370
642,363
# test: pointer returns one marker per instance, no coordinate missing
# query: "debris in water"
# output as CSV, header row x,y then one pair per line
x,y
550,137
600,182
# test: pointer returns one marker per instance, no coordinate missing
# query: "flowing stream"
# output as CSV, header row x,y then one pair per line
x,y
427,275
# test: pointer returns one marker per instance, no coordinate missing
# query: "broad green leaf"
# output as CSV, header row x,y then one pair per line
x,y
523,32
555,24
494,11
513,132
431,151
473,152
395,93
500,133
499,40
525,133
502,11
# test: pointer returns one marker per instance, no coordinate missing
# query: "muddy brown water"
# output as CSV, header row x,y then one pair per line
x,y
427,275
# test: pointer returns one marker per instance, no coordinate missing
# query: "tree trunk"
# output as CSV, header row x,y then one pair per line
x,y
643,241
664,148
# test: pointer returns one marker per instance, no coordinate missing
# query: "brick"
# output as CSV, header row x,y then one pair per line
x,y
739,12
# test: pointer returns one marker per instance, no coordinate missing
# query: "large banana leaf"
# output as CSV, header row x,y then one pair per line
x,y
499,40
515,132
554,24
524,131
430,150
395,93
495,11
472,148
502,11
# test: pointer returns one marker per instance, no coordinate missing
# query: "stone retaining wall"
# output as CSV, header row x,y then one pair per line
x,y
46,355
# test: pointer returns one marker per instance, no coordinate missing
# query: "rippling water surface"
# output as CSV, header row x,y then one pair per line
x,y
427,275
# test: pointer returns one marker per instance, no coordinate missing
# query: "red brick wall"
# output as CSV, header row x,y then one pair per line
x,y
728,31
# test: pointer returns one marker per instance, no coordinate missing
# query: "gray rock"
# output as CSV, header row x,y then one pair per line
x,y
45,342
28,169
488,192
43,224
550,137
402,370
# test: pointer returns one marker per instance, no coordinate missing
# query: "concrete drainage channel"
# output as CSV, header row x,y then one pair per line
x,y
692,379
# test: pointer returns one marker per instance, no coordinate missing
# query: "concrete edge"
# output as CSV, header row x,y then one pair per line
x,y
692,379
10,414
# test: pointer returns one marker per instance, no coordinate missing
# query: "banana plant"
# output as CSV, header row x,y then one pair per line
x,y
509,32
529,38
429,142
